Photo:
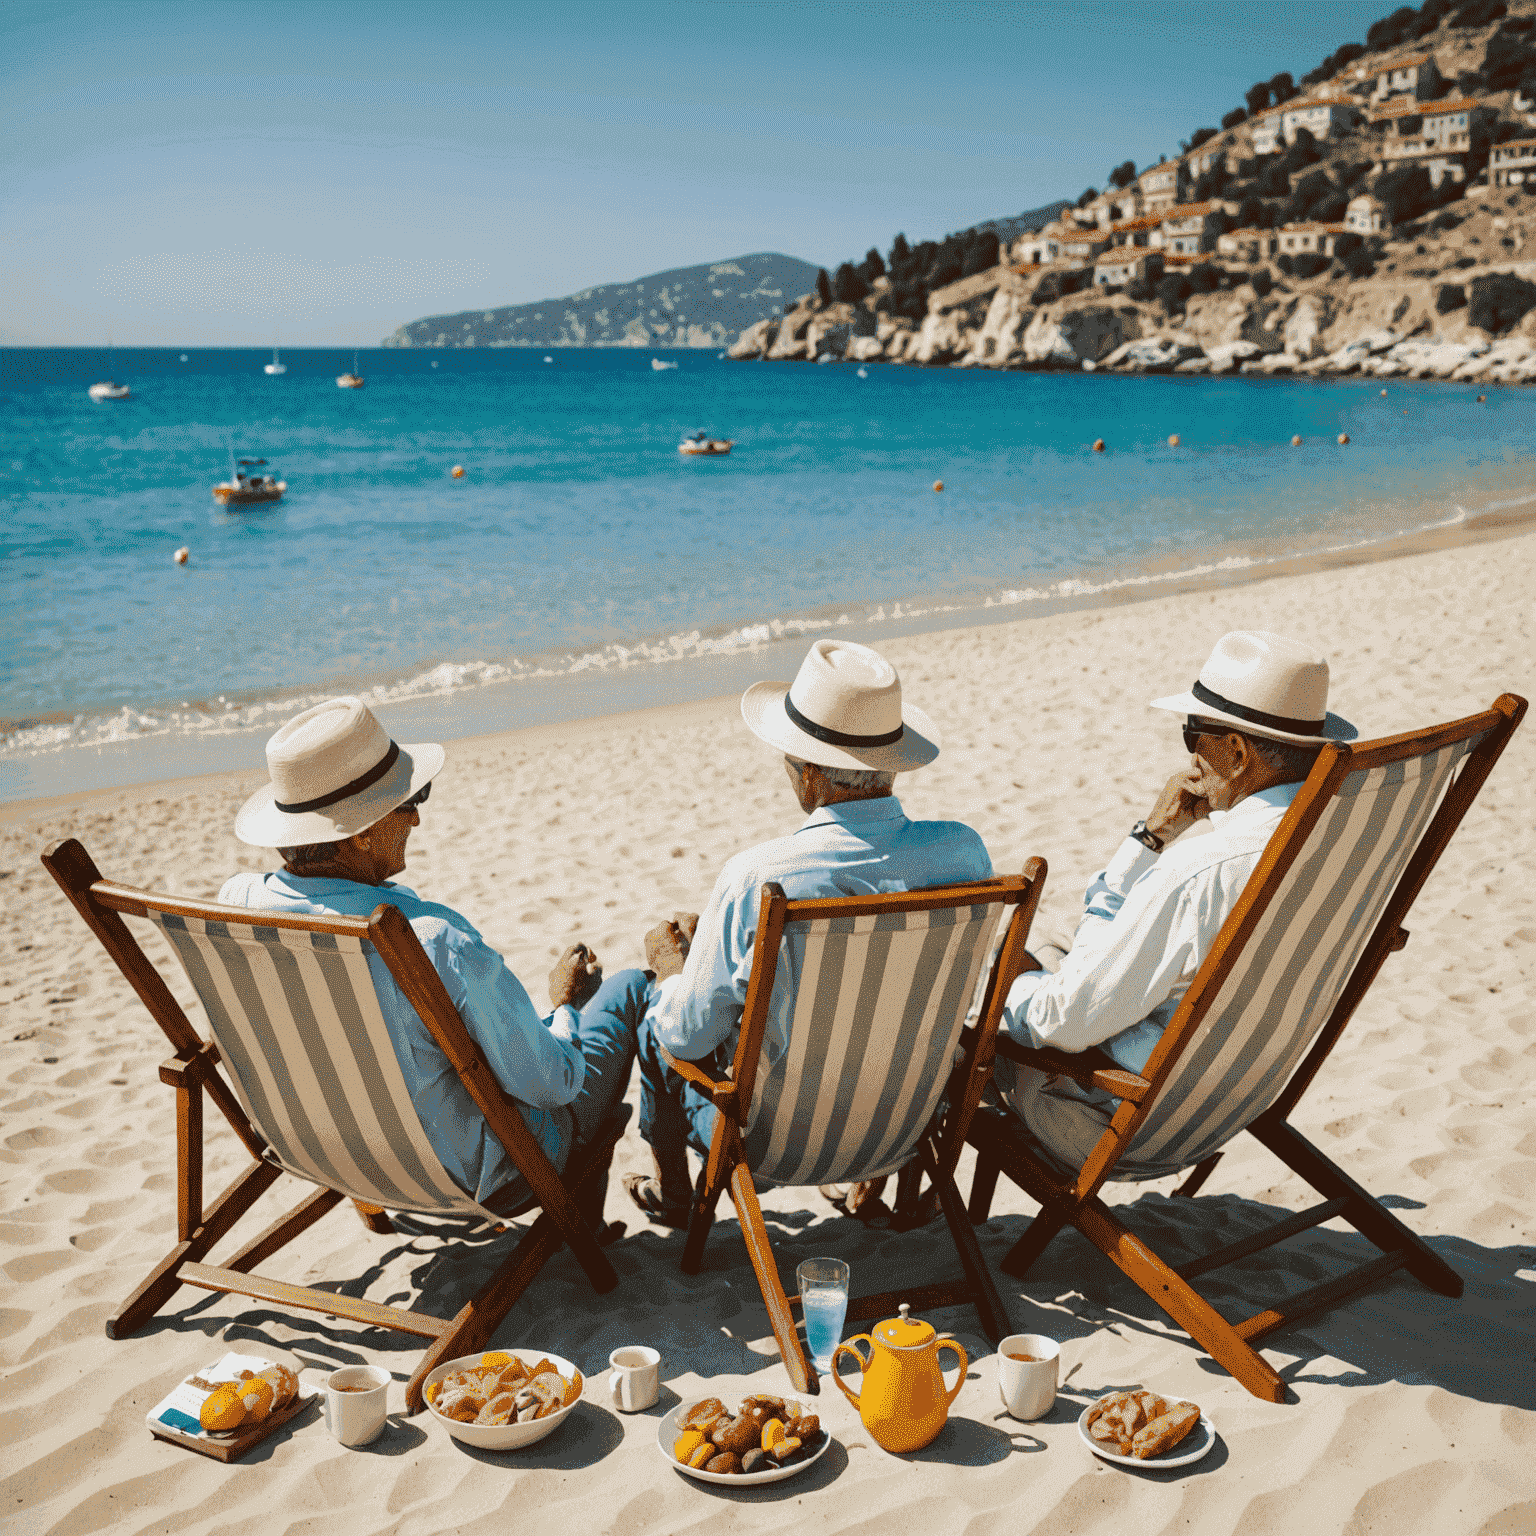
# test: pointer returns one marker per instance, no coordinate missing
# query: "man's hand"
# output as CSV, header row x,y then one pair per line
x,y
577,975
667,944
1180,805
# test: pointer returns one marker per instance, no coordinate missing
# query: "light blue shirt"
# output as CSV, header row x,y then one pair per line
x,y
854,848
1149,920
534,1059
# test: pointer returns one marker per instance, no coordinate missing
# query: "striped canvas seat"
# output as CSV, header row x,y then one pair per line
x,y
881,987
879,1004
1308,940
296,1018
1319,917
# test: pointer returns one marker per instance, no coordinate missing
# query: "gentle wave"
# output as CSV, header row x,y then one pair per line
x,y
227,716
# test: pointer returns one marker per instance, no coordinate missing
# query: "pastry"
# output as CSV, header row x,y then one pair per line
x,y
1165,1431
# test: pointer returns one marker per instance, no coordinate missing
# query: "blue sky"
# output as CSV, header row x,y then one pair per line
x,y
205,174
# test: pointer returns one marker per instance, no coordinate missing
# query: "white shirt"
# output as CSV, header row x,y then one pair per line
x,y
1148,923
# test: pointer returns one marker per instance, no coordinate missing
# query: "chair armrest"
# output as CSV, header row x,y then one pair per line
x,y
722,1094
1092,1068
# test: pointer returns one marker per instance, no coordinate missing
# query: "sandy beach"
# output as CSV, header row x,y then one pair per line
x,y
1409,1412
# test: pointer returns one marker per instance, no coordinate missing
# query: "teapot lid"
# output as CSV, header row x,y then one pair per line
x,y
905,1332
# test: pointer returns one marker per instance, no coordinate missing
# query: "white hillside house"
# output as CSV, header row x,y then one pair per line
x,y
1366,215
1417,76
1513,162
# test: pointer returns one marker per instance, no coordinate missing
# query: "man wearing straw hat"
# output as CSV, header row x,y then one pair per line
x,y
845,733
341,806
1255,721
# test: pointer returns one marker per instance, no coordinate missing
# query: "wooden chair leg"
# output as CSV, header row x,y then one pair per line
x,y
1362,1211
1190,1310
162,1283
701,1219
374,1217
749,1213
983,1186
989,1304
1049,1220
1198,1175
909,1186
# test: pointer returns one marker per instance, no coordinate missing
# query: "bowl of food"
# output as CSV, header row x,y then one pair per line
x,y
768,1439
503,1399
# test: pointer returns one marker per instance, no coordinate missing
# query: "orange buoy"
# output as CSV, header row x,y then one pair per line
x,y
458,471
1296,441
182,555
1383,393
1173,442
938,485
1343,438
1481,398
1098,445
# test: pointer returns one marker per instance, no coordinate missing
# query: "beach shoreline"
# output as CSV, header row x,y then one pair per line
x,y
476,710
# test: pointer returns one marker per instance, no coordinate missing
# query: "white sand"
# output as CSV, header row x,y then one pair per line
x,y
1411,1413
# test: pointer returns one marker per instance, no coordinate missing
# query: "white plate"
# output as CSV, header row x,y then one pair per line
x,y
666,1438
1192,1447
503,1437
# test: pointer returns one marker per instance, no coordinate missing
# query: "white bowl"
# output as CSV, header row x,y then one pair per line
x,y
503,1437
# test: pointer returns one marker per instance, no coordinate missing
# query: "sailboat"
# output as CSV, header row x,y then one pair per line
x,y
275,367
353,380
108,389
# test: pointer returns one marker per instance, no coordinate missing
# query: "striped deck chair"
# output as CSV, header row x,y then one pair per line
x,y
314,1089
1314,925
882,988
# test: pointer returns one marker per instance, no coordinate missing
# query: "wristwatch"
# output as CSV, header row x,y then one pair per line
x,y
1148,839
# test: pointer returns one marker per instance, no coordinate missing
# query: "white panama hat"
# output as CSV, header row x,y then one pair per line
x,y
1264,685
843,710
334,772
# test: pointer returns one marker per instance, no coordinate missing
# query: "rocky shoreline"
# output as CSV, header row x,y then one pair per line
x,y
1408,320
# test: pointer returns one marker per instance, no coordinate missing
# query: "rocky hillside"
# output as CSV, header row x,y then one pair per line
x,y
1442,285
701,306
1452,296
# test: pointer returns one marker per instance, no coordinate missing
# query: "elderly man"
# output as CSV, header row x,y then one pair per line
x,y
1257,718
340,809
845,734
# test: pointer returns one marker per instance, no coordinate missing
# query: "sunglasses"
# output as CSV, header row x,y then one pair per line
x,y
1195,729
419,798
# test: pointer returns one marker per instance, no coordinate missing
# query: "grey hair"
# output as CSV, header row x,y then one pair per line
x,y
853,778
306,854
1287,758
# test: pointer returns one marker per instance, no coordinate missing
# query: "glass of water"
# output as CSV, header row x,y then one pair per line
x,y
823,1304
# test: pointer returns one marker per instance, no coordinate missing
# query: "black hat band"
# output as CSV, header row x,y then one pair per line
x,y
356,787
839,738
1257,716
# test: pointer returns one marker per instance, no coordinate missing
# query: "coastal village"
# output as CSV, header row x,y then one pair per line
x,y
1377,218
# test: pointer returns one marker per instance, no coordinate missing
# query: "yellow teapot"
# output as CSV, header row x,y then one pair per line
x,y
903,1401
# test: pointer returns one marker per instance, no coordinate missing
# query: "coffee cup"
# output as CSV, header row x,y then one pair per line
x,y
1026,1374
356,1397
635,1380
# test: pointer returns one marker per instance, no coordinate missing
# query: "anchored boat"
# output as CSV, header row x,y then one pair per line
x,y
700,445
243,490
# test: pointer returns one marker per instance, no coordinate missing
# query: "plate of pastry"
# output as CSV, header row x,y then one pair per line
x,y
1146,1429
767,1440
503,1400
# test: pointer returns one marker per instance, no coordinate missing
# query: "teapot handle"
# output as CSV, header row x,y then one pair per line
x,y
853,1397
965,1366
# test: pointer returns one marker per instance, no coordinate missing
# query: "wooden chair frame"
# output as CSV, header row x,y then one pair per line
x,y
195,1071
1004,1146
727,1168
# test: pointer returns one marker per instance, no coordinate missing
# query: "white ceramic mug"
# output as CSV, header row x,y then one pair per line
x,y
1028,1387
356,1397
635,1381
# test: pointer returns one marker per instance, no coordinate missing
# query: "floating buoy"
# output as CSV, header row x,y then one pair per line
x,y
458,471
182,555
938,485
1296,441
1383,394
1098,445
1343,438
1405,413
1481,398
1173,442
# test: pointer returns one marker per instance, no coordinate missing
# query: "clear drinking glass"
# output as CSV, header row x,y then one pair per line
x,y
823,1304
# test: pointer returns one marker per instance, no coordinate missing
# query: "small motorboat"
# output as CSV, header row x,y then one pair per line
x,y
658,365
702,445
243,490
107,390
353,380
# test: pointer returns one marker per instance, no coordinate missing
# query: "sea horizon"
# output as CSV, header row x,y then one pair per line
x,y
582,566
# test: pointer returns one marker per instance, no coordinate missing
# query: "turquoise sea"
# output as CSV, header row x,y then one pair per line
x,y
582,565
